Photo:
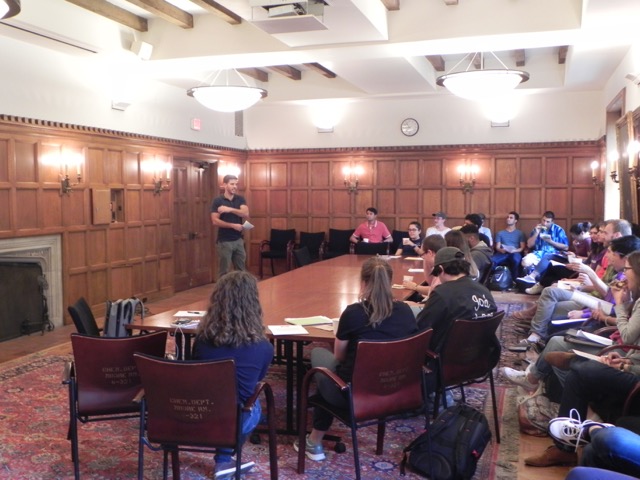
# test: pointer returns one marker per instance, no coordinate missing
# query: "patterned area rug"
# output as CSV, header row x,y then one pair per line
x,y
34,422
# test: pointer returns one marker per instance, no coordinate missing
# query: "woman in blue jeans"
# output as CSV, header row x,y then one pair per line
x,y
233,329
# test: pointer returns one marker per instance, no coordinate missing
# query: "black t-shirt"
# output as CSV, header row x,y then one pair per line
x,y
354,326
228,234
463,299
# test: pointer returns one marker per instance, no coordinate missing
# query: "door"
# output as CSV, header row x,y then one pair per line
x,y
192,244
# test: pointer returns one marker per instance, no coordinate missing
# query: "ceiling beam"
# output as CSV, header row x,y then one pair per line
x,y
255,73
288,71
518,56
166,11
325,72
219,10
437,62
391,4
112,12
562,54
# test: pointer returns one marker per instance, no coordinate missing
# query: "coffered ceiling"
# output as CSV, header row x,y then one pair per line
x,y
351,49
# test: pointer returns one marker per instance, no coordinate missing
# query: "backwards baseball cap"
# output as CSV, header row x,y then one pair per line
x,y
446,255
439,214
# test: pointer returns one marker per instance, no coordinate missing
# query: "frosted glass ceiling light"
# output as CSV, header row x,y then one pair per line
x,y
226,97
9,8
483,84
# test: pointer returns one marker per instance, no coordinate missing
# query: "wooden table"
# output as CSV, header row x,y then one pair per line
x,y
322,288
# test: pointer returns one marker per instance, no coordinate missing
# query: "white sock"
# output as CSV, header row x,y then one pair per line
x,y
534,337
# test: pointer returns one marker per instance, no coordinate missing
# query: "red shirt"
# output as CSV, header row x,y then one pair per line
x,y
375,233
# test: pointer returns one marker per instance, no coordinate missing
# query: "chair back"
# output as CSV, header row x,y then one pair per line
x,y
190,403
397,236
107,379
312,241
388,376
83,318
280,238
339,241
365,248
471,350
302,257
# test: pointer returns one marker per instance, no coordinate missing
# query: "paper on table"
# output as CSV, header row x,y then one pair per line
x,y
246,225
586,355
397,286
413,258
592,302
328,328
288,330
317,320
416,270
564,321
190,313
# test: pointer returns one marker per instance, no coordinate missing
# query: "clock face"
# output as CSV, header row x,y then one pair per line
x,y
409,127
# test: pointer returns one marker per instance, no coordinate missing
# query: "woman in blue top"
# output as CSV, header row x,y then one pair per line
x,y
377,316
233,329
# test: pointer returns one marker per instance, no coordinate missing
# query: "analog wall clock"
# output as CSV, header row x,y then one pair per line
x,y
409,127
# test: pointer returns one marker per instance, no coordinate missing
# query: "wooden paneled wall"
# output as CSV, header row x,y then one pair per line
x,y
305,189
100,262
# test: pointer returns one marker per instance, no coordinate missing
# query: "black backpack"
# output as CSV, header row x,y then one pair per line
x,y
460,435
500,280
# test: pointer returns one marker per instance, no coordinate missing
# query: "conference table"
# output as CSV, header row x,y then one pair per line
x,y
321,288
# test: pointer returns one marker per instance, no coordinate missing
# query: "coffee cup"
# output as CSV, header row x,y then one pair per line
x,y
365,240
407,278
406,241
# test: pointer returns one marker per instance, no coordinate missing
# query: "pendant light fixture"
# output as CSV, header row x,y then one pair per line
x,y
226,96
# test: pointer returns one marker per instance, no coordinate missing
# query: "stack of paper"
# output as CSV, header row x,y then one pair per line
x,y
309,321
288,330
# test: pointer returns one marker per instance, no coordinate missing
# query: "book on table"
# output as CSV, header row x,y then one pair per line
x,y
309,321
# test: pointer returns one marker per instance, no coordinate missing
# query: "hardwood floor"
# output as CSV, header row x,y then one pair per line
x,y
26,345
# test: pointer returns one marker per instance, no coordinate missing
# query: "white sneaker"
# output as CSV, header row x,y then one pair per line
x,y
535,290
519,378
571,431
528,279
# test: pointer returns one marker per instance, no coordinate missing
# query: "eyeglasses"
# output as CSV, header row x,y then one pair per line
x,y
413,229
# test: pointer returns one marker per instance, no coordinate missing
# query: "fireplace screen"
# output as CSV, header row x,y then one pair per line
x,y
23,305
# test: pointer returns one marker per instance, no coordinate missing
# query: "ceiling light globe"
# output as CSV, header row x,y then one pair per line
x,y
227,98
482,84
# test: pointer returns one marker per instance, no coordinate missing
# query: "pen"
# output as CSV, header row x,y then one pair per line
x,y
196,313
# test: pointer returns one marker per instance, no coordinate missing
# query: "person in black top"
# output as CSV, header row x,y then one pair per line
x,y
377,316
457,297
228,213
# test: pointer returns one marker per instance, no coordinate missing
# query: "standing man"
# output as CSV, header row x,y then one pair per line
x,y
439,228
371,231
228,212
510,244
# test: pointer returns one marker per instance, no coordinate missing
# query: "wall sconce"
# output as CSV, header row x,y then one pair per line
x,y
467,177
351,180
634,169
594,178
66,187
613,160
159,183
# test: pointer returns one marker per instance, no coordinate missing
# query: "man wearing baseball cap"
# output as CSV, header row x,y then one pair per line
x,y
439,228
458,296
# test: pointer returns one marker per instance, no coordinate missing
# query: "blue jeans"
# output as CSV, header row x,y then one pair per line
x,y
249,422
511,260
231,252
616,449
554,303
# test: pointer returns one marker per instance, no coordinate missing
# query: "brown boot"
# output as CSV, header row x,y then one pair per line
x,y
552,456
561,360
525,315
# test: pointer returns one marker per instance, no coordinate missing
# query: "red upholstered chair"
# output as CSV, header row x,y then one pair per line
x,y
103,380
469,354
187,413
388,381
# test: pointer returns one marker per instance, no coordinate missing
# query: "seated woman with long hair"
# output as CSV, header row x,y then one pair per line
x,y
455,238
233,329
376,316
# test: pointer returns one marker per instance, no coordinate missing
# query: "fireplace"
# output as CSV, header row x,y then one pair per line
x,y
46,252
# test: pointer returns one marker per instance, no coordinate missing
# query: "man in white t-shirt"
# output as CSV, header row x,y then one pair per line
x,y
439,228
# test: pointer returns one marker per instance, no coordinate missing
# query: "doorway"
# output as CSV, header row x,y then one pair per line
x,y
192,246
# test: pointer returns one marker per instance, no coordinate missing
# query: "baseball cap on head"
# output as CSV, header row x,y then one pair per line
x,y
439,214
446,255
